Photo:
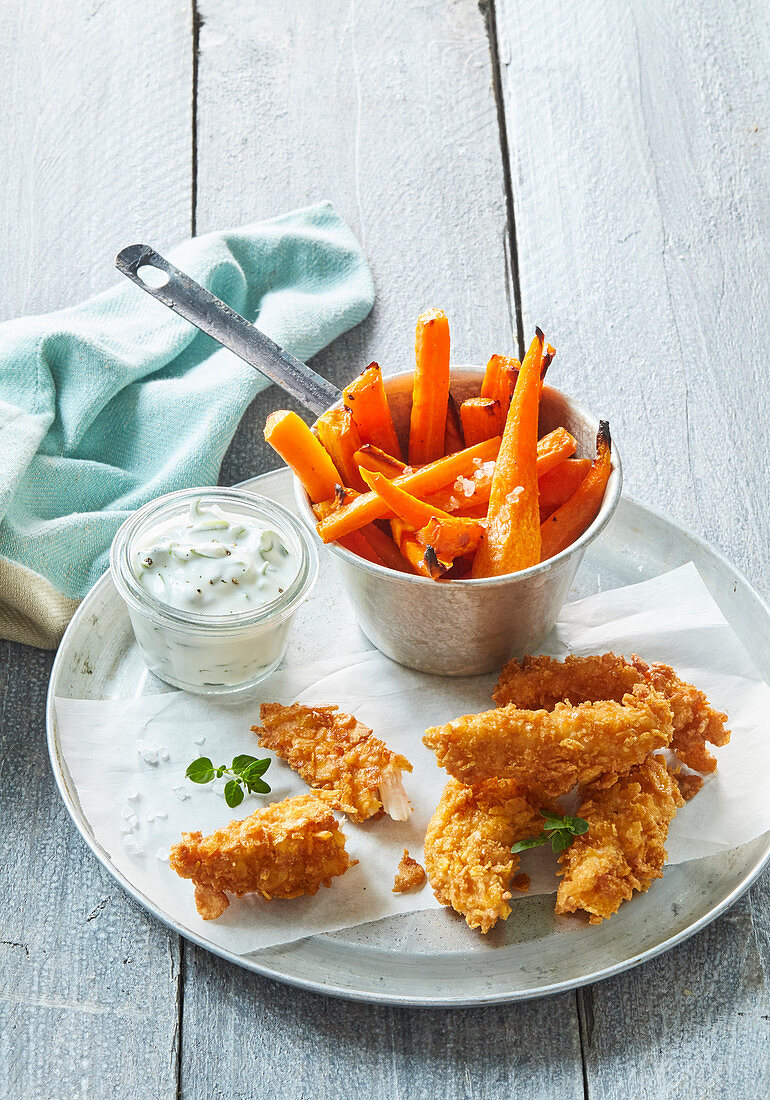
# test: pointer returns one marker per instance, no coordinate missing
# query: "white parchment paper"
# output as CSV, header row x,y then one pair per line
x,y
127,760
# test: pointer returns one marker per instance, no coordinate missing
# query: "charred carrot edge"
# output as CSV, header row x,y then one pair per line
x,y
512,540
558,485
430,393
368,402
422,559
291,438
480,418
570,520
385,547
452,538
372,458
500,380
427,480
340,437
342,496
454,439
411,510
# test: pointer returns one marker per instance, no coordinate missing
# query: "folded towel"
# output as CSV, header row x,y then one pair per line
x,y
108,404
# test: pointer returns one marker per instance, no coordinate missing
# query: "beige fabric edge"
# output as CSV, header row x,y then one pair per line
x,y
31,610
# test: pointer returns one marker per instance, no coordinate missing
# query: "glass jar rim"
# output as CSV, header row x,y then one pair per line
x,y
151,607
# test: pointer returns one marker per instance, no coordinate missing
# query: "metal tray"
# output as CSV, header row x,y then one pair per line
x,y
431,958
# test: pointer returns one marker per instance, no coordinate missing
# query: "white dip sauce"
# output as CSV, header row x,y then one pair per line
x,y
215,563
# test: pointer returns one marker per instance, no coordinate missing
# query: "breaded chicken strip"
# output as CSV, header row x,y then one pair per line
x,y
548,752
334,752
468,847
623,849
282,851
536,682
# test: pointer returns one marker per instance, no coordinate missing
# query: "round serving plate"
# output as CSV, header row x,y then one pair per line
x,y
431,958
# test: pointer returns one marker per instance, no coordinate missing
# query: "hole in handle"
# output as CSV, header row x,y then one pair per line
x,y
152,276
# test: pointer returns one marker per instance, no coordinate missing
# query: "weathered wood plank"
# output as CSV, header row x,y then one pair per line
x,y
96,153
392,117
96,141
641,184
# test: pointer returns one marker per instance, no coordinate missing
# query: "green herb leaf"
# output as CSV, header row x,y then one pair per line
x,y
255,770
257,786
233,793
241,763
560,841
532,842
201,770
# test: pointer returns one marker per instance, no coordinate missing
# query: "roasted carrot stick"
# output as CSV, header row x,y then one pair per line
x,y
372,458
451,538
570,520
422,559
427,480
453,433
358,543
340,437
368,402
512,540
500,379
385,547
558,485
411,510
480,418
553,449
298,447
431,388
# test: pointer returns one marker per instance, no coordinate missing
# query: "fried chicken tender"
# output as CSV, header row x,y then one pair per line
x,y
468,847
334,752
623,849
409,874
281,851
536,682
548,752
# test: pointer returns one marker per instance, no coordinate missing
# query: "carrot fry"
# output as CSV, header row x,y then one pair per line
x,y
368,402
512,540
431,388
452,538
372,458
291,438
411,510
340,437
553,449
422,559
570,520
342,496
427,480
385,547
358,543
500,380
453,432
558,485
480,418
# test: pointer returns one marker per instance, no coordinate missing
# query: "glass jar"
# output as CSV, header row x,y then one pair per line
x,y
200,651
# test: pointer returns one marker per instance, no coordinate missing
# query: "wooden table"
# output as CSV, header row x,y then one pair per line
x,y
597,168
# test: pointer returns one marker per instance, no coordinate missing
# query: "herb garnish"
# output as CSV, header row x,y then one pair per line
x,y
561,831
246,772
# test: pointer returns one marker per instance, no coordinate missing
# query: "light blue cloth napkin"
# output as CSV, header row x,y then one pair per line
x,y
110,403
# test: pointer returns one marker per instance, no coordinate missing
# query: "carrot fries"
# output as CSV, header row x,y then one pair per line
x,y
431,388
301,451
426,480
368,403
512,540
453,432
372,458
340,437
558,485
480,418
422,559
570,520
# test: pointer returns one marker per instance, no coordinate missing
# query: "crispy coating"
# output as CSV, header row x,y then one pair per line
x,y
623,849
536,682
409,874
334,752
468,847
548,752
281,851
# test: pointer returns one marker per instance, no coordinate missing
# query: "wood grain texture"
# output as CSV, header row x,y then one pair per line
x,y
96,147
96,141
389,113
641,185
312,1046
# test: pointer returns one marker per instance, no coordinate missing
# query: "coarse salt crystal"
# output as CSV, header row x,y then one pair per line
x,y
162,815
133,796
147,753
200,741
164,754
150,817
467,486
514,494
163,854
